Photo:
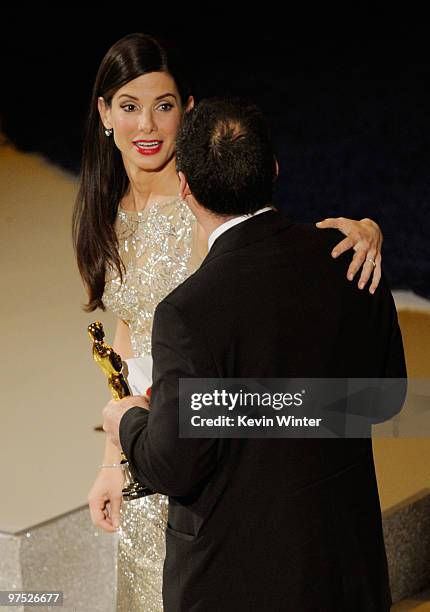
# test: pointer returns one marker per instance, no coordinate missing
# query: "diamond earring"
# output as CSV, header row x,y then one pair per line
x,y
108,132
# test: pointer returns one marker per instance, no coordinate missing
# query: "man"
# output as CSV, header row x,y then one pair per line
x,y
260,524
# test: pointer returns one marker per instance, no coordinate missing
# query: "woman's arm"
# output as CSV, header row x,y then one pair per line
x,y
365,237
105,496
121,341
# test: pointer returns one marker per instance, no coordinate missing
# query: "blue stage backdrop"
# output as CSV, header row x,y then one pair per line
x,y
350,120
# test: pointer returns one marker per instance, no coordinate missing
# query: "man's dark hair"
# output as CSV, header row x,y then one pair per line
x,y
224,149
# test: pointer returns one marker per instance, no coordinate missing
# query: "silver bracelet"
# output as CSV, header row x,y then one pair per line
x,y
103,465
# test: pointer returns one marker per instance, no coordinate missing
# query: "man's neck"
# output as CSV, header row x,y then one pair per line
x,y
213,230
210,221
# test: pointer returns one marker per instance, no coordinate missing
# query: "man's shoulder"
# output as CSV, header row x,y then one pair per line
x,y
305,233
303,239
185,294
312,237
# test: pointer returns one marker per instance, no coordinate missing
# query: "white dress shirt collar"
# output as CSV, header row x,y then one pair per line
x,y
230,223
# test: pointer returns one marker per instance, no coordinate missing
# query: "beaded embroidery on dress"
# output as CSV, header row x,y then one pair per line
x,y
159,249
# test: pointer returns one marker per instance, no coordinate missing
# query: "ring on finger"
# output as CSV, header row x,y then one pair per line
x,y
372,261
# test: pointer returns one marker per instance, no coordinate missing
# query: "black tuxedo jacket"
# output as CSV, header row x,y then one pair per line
x,y
267,524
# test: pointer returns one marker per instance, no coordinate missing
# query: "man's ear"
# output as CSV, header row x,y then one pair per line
x,y
190,104
276,169
104,112
184,188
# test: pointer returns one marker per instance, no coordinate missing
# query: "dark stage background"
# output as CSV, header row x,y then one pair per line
x,y
350,117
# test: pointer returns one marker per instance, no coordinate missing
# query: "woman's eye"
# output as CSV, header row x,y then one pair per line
x,y
127,106
166,106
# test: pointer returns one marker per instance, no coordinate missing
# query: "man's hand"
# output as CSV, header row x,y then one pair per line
x,y
365,237
114,410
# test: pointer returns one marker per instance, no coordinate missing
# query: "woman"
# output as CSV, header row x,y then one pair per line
x,y
135,241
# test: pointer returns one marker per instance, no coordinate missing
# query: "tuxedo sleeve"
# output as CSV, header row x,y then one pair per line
x,y
393,393
150,439
395,366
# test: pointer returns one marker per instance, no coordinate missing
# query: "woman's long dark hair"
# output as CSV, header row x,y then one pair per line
x,y
103,180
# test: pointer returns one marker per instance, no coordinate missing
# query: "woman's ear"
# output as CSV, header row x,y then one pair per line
x,y
104,112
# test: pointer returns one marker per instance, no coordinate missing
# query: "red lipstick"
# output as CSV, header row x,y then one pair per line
x,y
148,147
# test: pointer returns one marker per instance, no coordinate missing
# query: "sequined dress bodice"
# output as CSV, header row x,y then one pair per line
x,y
159,249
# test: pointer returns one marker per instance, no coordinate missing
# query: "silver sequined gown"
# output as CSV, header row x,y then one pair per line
x,y
159,249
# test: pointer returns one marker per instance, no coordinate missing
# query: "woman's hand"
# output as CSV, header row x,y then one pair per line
x,y
365,237
105,498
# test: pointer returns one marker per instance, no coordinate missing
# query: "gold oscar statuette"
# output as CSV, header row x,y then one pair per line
x,y
111,365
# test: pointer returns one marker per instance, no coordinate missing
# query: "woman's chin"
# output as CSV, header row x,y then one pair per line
x,y
153,163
